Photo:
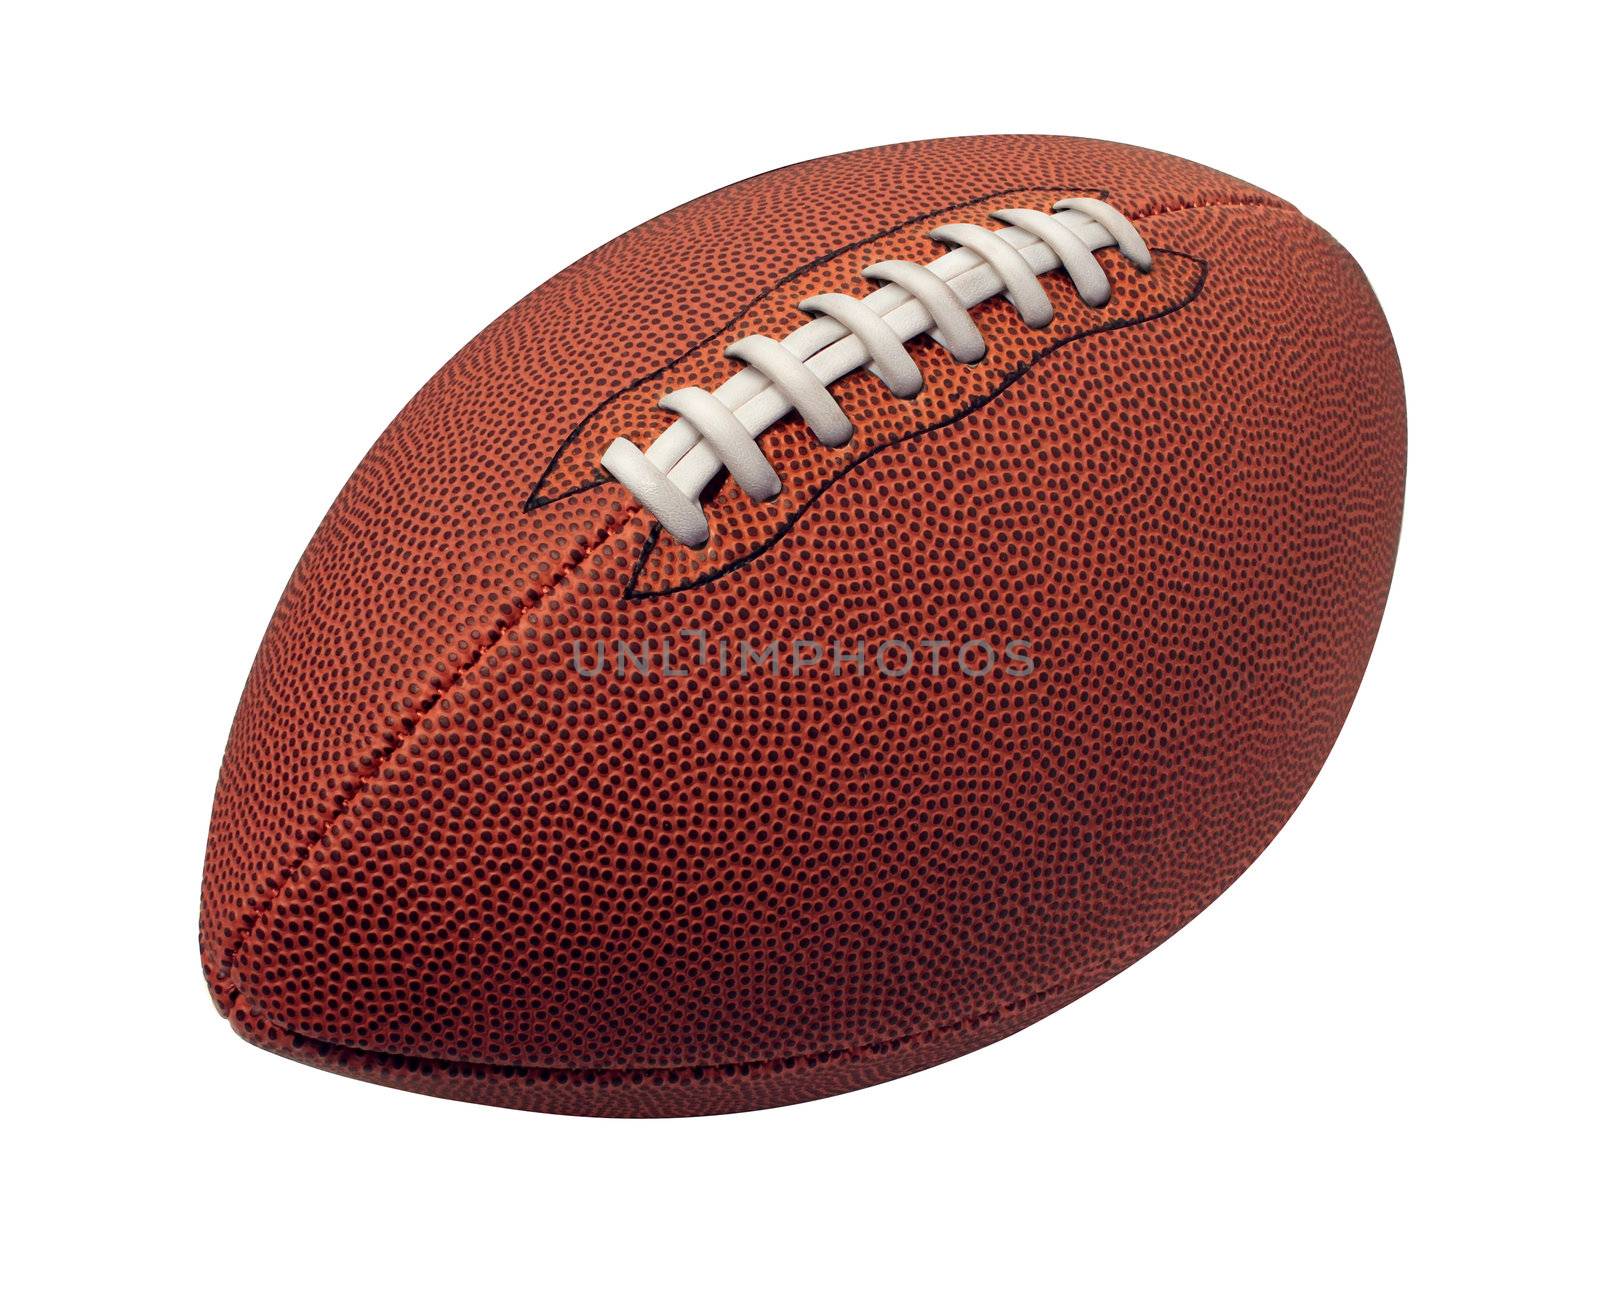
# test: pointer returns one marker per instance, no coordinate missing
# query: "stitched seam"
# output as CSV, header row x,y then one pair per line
x,y
343,804
889,1044
1243,202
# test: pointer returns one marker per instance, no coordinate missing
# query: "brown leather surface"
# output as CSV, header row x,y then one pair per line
x,y
443,857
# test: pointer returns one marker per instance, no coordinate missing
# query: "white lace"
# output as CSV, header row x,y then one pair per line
x,y
720,429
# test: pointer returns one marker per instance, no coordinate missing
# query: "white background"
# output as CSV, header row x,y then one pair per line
x,y
237,240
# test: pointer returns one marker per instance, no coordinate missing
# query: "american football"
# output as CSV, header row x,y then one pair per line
x,y
819,633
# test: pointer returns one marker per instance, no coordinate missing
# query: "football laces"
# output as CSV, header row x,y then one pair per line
x,y
720,430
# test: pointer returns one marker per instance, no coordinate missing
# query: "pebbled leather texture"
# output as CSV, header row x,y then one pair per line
x,y
951,390
445,858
